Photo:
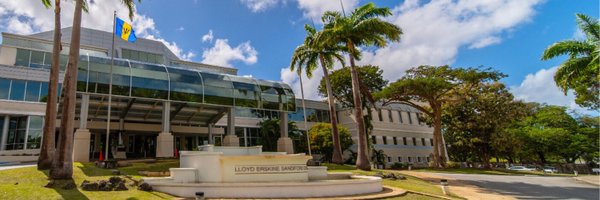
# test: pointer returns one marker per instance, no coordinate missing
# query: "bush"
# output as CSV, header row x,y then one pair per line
x,y
321,140
398,165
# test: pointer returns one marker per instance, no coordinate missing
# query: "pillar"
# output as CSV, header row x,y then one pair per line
x,y
164,140
230,138
210,132
4,133
284,143
81,139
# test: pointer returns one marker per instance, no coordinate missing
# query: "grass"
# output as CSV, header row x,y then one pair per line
x,y
28,182
412,196
487,171
411,183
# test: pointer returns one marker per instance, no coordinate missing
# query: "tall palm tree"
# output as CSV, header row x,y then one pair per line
x,y
362,28
580,71
47,149
62,166
308,55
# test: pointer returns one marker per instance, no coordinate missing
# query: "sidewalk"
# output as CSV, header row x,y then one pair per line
x,y
591,179
459,188
18,165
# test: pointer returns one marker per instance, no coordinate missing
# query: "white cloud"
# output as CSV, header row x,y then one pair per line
x,y
260,5
314,9
30,16
180,28
540,87
433,32
223,54
208,37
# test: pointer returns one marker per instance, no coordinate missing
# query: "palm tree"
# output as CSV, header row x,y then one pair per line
x,y
362,28
47,149
580,71
62,166
307,55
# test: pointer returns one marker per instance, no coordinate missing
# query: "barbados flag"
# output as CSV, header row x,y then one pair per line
x,y
124,30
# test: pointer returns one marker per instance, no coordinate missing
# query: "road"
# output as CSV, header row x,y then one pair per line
x,y
530,187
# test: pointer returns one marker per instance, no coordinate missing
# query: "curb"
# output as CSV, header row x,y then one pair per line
x,y
586,181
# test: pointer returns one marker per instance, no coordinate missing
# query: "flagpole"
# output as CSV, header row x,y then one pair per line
x,y
112,60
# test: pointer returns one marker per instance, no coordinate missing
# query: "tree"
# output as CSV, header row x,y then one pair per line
x,y
580,71
473,122
308,55
429,88
363,27
48,147
62,165
270,132
371,81
322,143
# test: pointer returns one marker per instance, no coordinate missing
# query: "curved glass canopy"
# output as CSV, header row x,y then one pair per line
x,y
147,80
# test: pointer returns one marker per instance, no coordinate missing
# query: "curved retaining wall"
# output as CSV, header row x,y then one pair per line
x,y
310,189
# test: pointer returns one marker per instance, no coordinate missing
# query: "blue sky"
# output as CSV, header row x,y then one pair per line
x,y
259,36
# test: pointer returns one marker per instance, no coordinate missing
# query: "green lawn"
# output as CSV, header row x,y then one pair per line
x,y
487,171
28,182
411,183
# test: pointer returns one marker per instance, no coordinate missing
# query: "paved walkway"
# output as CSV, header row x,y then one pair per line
x,y
591,179
16,166
478,186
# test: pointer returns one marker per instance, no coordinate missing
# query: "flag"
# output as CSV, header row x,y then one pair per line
x,y
124,30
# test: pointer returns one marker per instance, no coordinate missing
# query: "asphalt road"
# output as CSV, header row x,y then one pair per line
x,y
532,187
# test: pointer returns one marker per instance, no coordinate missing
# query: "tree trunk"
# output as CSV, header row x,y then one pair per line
x,y
362,161
48,144
337,147
62,167
437,132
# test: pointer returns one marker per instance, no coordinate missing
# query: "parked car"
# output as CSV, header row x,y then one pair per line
x,y
596,170
521,168
551,170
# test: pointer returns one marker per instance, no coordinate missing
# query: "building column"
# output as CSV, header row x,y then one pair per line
x,y
284,143
210,132
230,138
4,133
81,139
164,140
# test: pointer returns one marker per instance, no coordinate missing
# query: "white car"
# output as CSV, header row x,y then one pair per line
x,y
520,168
551,170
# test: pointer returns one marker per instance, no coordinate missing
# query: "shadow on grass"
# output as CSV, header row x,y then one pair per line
x,y
65,194
90,169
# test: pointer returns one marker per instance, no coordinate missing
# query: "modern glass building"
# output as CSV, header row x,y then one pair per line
x,y
160,104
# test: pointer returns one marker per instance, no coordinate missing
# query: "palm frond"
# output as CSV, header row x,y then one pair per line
x,y
589,25
571,47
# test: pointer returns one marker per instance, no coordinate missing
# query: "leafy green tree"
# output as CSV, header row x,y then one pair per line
x,y
429,88
580,71
321,141
371,81
270,133
474,121
308,55
363,27
62,165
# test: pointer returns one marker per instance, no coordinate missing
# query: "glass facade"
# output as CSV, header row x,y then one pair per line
x,y
38,59
147,80
17,129
20,90
142,56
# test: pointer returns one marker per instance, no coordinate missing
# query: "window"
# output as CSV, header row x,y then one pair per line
x,y
22,58
379,116
423,141
37,59
409,118
414,141
185,85
404,140
34,133
17,90
390,116
399,159
374,139
418,115
32,92
142,56
400,117
427,159
431,141
418,159
4,88
410,159
17,129
389,159
395,141
384,138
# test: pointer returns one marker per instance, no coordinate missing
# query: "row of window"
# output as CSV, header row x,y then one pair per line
x,y
314,115
142,56
390,118
408,159
24,132
404,141
20,90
